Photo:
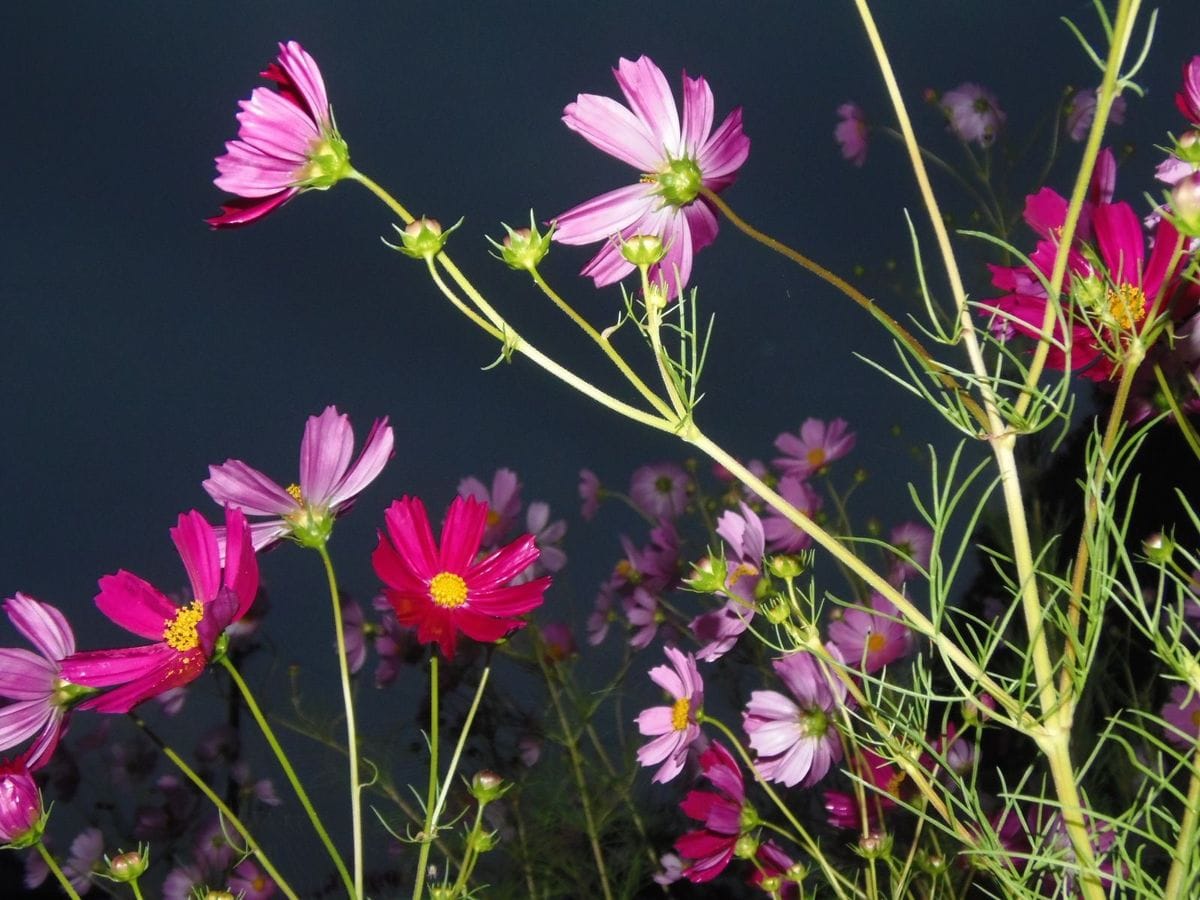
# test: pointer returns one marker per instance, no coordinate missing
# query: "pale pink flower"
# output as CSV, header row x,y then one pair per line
x,y
813,447
673,728
548,536
676,159
503,503
796,741
1188,97
1081,112
87,851
644,617
329,481
353,634
719,629
33,681
871,638
851,133
974,114
287,142
660,490
782,535
601,617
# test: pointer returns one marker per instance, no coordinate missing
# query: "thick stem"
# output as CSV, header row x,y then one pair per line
x,y
1180,876
54,868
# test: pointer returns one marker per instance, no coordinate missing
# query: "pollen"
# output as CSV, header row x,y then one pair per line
x,y
448,590
180,632
294,491
876,642
679,713
1126,304
816,457
493,518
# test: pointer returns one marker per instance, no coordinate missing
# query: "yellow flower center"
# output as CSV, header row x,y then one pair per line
x,y
493,518
876,642
816,457
294,491
180,632
448,590
1127,305
679,713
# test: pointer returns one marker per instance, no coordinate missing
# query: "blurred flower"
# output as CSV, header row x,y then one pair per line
x,y
353,634
87,851
673,728
873,637
660,490
851,133
813,447
589,493
974,114
287,142
33,681
601,617
180,882
796,742
671,871
1081,112
1182,714
442,592
20,804
888,783
558,642
329,482
250,883
262,790
548,536
782,535
641,609
677,161
654,566
394,643
187,636
724,813
503,503
1188,97
913,544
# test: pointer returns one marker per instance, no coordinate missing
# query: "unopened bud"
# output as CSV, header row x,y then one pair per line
x,y
126,867
746,847
422,238
708,575
524,248
643,249
1185,203
1158,548
785,566
487,786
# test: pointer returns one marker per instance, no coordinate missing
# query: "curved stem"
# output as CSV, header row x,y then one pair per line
x,y
351,728
52,865
431,792
290,773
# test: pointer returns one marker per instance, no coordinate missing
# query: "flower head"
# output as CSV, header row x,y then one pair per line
x,y
725,815
813,447
974,114
444,591
186,637
503,502
872,637
676,160
783,535
34,682
1081,112
673,728
287,142
20,804
1188,97
851,133
329,481
661,490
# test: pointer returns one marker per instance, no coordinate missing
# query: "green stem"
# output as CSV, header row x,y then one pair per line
x,y
53,866
448,781
1185,853
431,794
137,891
226,813
290,773
356,824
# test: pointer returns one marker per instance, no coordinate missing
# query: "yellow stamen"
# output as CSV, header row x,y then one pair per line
x,y
876,642
294,491
816,457
448,590
679,713
180,632
1126,304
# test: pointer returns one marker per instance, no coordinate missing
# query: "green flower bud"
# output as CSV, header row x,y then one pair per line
x,y
643,249
487,786
1158,548
785,566
126,867
422,238
483,841
1185,204
777,610
876,845
524,248
708,575
746,847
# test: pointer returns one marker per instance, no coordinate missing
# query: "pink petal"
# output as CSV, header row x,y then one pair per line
x,y
607,125
510,601
23,720
42,625
101,668
604,216
650,98
724,152
408,527
134,605
302,69
1119,234
243,210
325,454
504,564
375,453
657,750
250,490
197,545
462,533
697,114
25,676
239,563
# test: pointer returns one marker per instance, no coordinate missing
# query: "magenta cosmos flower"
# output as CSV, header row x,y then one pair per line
x,y
725,815
1188,97
443,591
329,481
187,636
676,159
33,681
673,728
287,142
20,804
796,742
851,133
813,447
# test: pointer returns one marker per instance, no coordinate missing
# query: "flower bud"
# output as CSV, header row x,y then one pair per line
x,y
1185,203
219,895
422,238
875,845
643,249
487,786
482,841
524,248
708,575
21,817
785,566
777,610
1158,548
746,847
126,867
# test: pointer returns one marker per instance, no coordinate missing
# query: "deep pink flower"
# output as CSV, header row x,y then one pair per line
x,y
673,728
1081,112
675,160
815,446
660,490
1188,97
724,814
974,114
20,803
782,535
503,503
871,638
329,481
33,681
444,591
796,742
187,636
287,142
851,133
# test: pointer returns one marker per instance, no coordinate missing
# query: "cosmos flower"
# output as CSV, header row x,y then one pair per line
x,y
444,591
187,636
672,728
723,812
1081,112
782,535
913,544
974,114
813,447
660,490
589,494
329,482
851,133
676,159
1182,715
33,681
287,142
1188,97
503,502
20,803
719,629
795,740
251,883
873,637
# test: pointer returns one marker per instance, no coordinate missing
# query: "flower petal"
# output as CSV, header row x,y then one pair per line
x,y
650,98
604,216
374,456
325,454
197,546
135,605
697,114
43,626
25,676
250,490
607,125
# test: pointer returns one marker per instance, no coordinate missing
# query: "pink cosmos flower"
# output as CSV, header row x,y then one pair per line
x,y
1081,112
722,812
796,742
601,617
33,681
720,629
783,536
843,810
548,535
641,609
251,883
503,503
287,142
851,133
871,638
87,852
444,591
1188,97
913,543
660,490
673,728
329,481
815,446
354,634
186,636
675,160
974,114
654,566
589,493
20,803
1182,714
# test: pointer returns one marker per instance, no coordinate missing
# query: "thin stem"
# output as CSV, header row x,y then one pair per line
x,y
430,794
290,773
1184,855
351,729
226,813
53,866
448,781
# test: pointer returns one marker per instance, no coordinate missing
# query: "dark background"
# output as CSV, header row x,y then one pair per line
x,y
141,346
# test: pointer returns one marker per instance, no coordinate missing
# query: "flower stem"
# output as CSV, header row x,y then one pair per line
x,y
432,792
290,773
222,807
53,866
448,781
356,825
1185,853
